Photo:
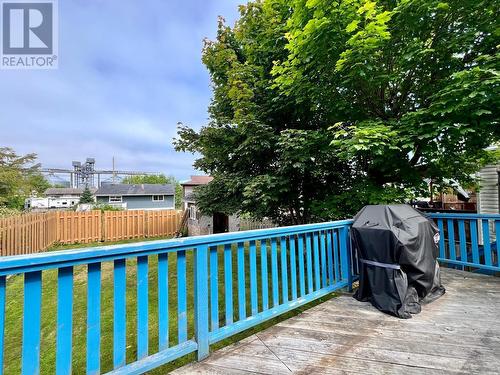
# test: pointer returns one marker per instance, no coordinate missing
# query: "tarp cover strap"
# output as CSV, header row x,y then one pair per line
x,y
379,264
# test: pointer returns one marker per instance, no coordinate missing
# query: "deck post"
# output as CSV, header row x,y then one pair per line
x,y
350,259
201,300
345,255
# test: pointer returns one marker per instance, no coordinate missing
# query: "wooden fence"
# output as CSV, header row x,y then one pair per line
x,y
248,224
120,225
35,232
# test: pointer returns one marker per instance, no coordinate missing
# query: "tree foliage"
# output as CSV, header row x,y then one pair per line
x,y
320,106
87,196
158,179
19,178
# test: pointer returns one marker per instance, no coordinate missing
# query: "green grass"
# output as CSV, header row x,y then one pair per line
x,y
78,245
14,314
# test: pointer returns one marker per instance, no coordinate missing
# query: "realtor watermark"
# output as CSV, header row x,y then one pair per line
x,y
29,37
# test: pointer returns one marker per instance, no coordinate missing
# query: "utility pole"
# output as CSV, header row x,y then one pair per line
x,y
114,175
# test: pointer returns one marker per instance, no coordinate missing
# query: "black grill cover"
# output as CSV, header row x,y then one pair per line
x,y
397,248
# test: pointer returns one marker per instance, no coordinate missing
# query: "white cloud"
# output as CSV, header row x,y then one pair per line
x,y
128,72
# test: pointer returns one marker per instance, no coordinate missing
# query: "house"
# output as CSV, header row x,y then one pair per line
x,y
188,190
489,188
55,198
199,224
488,201
137,197
69,193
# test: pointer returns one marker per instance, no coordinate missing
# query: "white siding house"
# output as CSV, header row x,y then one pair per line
x,y
487,201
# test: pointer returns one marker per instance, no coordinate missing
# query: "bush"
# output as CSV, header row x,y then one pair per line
x,y
106,207
6,212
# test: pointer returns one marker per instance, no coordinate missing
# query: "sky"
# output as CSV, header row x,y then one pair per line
x,y
128,72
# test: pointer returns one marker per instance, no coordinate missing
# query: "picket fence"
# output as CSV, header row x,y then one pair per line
x,y
34,232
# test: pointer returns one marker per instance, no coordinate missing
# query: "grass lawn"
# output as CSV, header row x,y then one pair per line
x,y
14,314
83,245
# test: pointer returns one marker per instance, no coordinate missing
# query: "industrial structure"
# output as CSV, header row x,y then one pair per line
x,y
85,174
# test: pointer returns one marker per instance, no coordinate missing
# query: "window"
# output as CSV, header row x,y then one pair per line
x,y
158,198
192,212
115,199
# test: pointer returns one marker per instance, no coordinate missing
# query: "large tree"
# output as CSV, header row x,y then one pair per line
x,y
322,106
19,178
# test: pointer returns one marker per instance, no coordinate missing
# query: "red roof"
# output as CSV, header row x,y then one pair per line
x,y
198,180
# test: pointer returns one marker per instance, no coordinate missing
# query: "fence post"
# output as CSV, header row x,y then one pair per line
x,y
102,225
201,300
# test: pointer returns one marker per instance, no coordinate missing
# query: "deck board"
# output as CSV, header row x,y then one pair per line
x,y
457,334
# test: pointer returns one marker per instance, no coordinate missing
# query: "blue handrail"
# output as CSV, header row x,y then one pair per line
x,y
469,240
282,268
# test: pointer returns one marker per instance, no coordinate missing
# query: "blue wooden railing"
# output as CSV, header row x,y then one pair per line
x,y
283,268
469,240
240,280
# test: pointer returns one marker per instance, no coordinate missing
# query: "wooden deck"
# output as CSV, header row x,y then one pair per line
x,y
459,333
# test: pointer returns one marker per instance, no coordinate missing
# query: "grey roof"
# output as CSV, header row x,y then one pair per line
x,y
65,191
189,197
141,189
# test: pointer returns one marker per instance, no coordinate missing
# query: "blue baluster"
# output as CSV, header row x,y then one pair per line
x,y
181,296
253,278
163,301
94,318
264,275
462,243
309,263
142,307
323,258
214,289
441,239
284,270
336,262
31,323
201,300
497,237
486,242
344,254
241,282
474,242
293,267
329,252
451,239
274,271
317,278
301,265
2,320
228,283
64,320
119,341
